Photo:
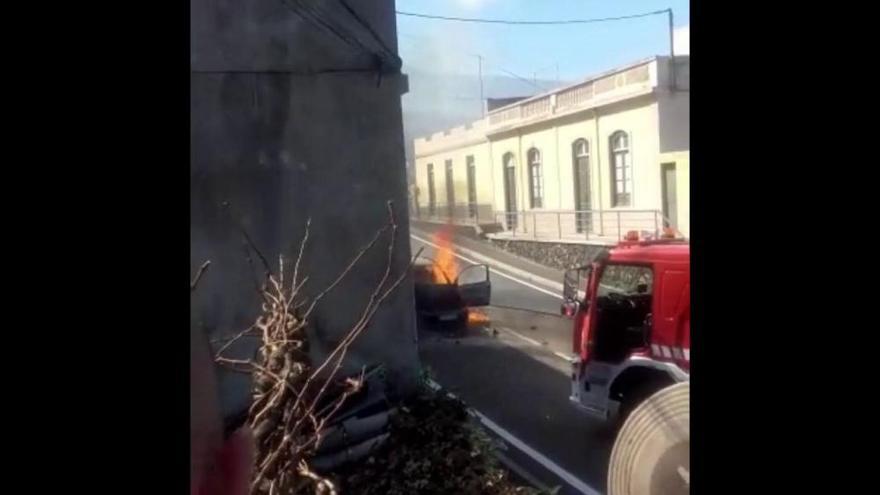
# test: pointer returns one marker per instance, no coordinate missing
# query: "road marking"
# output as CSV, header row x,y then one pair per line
x,y
491,268
522,337
538,457
567,358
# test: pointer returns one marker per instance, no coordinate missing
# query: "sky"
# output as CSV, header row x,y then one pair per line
x,y
439,57
578,50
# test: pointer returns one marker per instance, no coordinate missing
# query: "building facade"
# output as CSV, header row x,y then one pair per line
x,y
594,159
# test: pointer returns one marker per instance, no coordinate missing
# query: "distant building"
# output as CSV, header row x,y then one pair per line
x,y
597,158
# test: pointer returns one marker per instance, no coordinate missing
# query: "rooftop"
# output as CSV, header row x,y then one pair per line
x,y
621,83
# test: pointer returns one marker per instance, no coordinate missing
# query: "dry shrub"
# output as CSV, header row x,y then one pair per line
x,y
293,400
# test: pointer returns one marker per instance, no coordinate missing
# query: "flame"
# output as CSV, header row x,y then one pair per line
x,y
477,318
445,268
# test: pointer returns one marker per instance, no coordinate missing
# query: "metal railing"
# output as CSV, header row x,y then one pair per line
x,y
550,224
460,213
581,224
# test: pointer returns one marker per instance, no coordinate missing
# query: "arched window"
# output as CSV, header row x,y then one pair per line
x,y
580,153
536,180
621,170
431,197
510,190
581,147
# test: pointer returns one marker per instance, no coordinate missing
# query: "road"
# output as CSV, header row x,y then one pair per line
x,y
517,377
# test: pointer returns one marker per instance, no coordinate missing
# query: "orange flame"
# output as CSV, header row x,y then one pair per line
x,y
445,268
477,318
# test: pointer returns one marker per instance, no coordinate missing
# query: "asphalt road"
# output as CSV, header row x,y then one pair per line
x,y
517,377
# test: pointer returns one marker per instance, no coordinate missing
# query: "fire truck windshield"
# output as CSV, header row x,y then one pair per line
x,y
626,279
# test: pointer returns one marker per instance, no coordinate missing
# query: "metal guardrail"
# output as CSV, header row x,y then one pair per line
x,y
581,224
460,213
551,224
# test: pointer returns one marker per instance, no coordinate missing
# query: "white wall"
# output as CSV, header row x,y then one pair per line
x,y
675,121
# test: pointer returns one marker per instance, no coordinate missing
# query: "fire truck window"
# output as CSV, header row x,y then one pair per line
x,y
627,279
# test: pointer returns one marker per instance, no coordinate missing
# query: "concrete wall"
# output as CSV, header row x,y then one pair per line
x,y
276,139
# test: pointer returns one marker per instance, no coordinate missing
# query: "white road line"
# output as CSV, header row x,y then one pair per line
x,y
538,457
565,356
522,337
492,269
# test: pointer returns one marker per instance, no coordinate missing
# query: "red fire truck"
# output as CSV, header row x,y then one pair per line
x,y
631,312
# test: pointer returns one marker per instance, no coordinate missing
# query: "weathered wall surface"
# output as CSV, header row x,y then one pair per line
x,y
290,122
560,255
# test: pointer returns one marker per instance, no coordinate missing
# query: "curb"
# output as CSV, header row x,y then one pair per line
x,y
482,258
563,475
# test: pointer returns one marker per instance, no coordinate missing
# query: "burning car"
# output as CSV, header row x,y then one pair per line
x,y
447,294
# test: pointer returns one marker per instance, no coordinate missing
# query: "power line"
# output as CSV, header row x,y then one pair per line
x,y
319,17
510,73
530,83
507,21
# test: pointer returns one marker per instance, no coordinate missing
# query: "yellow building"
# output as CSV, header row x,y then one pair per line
x,y
594,159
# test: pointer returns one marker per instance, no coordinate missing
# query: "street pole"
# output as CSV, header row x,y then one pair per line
x,y
480,72
671,52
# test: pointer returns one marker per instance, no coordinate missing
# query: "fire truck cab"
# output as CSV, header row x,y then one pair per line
x,y
631,312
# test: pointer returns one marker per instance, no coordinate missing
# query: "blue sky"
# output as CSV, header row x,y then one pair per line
x,y
579,50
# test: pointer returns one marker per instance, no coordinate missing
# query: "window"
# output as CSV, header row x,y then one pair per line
x,y
536,181
450,191
581,165
472,187
626,279
581,148
621,170
431,197
510,190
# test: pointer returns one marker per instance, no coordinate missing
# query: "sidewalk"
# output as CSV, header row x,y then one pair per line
x,y
497,258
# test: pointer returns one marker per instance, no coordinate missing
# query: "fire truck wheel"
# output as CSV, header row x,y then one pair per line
x,y
651,455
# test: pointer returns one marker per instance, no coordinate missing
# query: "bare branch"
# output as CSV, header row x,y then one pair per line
x,y
302,248
345,272
293,402
255,248
195,281
233,339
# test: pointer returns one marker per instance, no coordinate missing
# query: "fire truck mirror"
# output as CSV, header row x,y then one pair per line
x,y
568,309
574,284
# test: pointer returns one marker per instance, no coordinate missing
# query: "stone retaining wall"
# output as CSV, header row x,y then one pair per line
x,y
559,255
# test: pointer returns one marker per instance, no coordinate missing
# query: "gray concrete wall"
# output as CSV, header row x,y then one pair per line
x,y
279,135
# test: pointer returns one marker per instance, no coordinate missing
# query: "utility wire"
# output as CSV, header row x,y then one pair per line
x,y
530,83
507,21
517,76
366,25
321,18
